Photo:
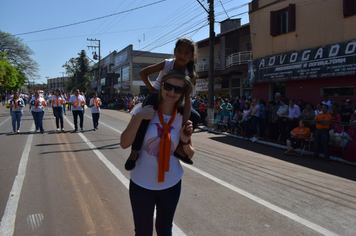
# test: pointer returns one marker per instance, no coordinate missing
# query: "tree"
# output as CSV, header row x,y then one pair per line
x,y
19,55
78,71
8,74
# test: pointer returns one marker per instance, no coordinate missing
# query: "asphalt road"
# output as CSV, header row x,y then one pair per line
x,y
75,184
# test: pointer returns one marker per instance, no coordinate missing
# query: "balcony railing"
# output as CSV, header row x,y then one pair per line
x,y
234,59
238,58
204,65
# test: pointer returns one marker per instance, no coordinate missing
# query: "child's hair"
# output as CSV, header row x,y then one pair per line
x,y
191,64
177,75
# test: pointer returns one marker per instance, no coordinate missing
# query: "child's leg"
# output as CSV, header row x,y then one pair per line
x,y
179,153
151,99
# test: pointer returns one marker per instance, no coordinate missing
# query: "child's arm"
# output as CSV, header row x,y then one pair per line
x,y
129,134
150,70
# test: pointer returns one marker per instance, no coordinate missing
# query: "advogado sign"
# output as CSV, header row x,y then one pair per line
x,y
320,62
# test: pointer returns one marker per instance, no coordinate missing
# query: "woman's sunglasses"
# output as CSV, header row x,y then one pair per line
x,y
169,87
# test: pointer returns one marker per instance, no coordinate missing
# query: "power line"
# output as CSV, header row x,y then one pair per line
x,y
81,22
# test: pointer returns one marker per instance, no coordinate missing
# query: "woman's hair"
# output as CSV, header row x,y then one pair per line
x,y
191,64
16,94
248,106
57,90
177,75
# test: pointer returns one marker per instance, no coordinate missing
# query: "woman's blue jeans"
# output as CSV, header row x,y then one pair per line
x,y
38,119
58,113
16,118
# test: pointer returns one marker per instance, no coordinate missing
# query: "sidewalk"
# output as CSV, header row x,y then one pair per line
x,y
299,151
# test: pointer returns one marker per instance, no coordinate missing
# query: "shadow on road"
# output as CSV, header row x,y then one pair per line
x,y
334,168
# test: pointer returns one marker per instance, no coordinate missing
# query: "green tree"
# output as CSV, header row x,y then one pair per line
x,y
78,71
19,55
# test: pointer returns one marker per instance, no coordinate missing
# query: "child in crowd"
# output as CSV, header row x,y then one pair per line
x,y
353,119
184,53
236,121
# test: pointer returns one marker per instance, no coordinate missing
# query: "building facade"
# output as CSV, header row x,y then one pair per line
x,y
56,83
127,66
303,49
232,51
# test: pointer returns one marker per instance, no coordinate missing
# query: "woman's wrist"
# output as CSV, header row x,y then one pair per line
x,y
185,143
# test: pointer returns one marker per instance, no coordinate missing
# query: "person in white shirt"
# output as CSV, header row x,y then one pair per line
x,y
16,112
155,182
57,104
95,104
38,103
293,117
77,102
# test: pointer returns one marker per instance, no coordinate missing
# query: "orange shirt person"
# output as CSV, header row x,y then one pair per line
x,y
321,135
298,137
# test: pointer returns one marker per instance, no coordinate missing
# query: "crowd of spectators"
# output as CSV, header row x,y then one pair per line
x,y
254,119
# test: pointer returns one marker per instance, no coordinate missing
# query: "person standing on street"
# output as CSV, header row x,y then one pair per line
x,y
321,135
95,104
77,102
156,182
16,105
38,104
57,105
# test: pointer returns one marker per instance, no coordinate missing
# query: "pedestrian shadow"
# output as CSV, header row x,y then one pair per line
x,y
339,169
104,147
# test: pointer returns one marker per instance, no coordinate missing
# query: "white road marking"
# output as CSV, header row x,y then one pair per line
x,y
35,220
5,120
117,173
8,220
101,123
271,206
275,208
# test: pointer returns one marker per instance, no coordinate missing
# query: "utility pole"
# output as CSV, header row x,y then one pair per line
x,y
47,77
98,46
211,65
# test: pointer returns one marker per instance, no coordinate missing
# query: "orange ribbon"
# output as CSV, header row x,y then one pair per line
x,y
96,101
37,101
165,145
16,103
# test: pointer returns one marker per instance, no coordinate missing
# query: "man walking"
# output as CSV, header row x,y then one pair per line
x,y
77,102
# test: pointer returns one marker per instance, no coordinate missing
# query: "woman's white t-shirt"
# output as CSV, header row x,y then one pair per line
x,y
145,174
41,101
57,101
95,109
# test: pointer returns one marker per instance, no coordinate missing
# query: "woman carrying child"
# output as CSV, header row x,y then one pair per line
x,y
184,52
155,182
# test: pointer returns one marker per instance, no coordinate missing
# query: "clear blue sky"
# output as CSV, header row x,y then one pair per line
x,y
149,25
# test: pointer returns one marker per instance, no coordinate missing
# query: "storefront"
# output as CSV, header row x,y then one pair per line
x,y
307,74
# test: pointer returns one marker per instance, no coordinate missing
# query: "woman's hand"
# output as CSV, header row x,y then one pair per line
x,y
146,113
186,131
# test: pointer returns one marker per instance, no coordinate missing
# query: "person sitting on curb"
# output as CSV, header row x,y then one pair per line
x,y
298,137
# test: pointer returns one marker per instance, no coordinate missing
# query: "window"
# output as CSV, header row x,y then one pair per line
x,y
282,21
349,7
339,91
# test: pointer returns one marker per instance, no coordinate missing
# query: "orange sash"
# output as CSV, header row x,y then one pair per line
x,y
76,103
37,101
96,102
16,103
165,145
